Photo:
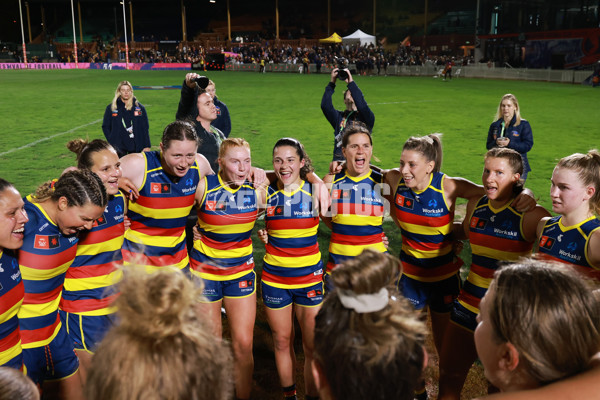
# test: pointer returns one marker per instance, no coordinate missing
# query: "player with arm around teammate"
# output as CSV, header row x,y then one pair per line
x,y
497,232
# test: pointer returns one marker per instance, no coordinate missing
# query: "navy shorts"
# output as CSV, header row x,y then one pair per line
x,y
277,298
57,360
463,317
237,288
439,296
86,331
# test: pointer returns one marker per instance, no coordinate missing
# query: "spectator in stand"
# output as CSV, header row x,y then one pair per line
x,y
125,124
197,106
357,109
223,121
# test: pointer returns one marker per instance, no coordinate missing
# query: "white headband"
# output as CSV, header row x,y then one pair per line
x,y
364,303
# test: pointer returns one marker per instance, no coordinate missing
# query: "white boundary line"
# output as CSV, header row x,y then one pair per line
x,y
48,138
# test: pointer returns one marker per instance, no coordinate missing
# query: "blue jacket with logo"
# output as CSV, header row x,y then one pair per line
x,y
521,138
117,127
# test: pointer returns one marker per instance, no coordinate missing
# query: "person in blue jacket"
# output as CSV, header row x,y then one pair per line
x,y
510,130
357,109
223,121
125,123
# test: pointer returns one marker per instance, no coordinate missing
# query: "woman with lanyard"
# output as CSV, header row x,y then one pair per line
x,y
58,212
125,123
292,276
12,226
86,305
510,130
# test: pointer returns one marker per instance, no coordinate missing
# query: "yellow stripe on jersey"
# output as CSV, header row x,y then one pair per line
x,y
497,254
35,310
232,228
95,248
283,286
10,313
165,213
218,253
93,282
469,307
355,220
479,280
34,274
426,230
41,343
99,312
293,233
154,268
158,241
6,356
426,253
354,250
292,261
220,278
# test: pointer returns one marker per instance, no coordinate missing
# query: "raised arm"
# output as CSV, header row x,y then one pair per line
x,y
361,104
187,107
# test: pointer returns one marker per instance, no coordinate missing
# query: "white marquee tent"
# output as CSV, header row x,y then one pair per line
x,y
364,38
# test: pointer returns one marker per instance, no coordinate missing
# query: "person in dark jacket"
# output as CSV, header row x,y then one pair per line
x,y
510,130
197,107
125,123
223,121
357,109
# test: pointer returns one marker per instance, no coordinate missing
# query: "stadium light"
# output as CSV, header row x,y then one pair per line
x,y
125,34
22,34
213,1
74,37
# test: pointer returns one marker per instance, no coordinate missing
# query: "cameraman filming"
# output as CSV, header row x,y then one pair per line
x,y
357,109
196,105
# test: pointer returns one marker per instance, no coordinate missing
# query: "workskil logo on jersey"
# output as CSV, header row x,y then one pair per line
x,y
46,242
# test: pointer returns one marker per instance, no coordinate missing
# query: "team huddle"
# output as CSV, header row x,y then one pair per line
x,y
66,248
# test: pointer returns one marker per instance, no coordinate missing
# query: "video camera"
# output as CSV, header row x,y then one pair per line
x,y
342,64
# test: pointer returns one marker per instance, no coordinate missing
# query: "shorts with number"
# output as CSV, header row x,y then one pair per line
x,y
240,287
463,317
277,298
86,331
57,360
439,296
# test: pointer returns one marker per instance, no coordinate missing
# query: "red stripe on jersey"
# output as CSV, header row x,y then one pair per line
x,y
292,223
33,335
498,243
369,210
163,203
11,298
330,266
147,230
424,246
307,280
38,261
228,219
585,271
292,252
41,298
10,341
157,261
355,240
102,235
89,271
84,305
483,272
211,269
422,220
469,299
442,270
213,244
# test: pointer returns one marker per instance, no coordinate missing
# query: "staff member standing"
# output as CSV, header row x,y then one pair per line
x,y
125,123
510,130
357,109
